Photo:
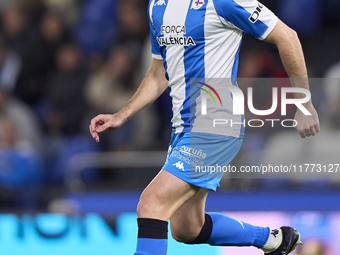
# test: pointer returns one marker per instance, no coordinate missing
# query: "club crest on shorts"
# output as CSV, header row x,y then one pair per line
x,y
196,4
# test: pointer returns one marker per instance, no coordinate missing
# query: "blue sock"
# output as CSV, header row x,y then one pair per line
x,y
152,237
221,230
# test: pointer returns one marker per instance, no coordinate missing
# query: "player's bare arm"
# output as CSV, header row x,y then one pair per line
x,y
293,60
153,85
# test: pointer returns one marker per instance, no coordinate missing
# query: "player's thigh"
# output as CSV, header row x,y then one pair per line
x,y
187,222
164,195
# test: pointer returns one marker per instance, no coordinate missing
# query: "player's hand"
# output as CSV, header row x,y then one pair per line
x,y
105,123
308,125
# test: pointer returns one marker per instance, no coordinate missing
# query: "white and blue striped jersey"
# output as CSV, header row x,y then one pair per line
x,y
201,39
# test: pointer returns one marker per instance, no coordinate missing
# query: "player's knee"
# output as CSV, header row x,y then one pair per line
x,y
147,206
182,235
143,208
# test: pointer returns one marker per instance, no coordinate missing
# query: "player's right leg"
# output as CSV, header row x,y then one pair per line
x,y
158,202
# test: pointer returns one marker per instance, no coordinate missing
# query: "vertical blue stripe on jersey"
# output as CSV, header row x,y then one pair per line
x,y
172,126
235,66
234,82
193,62
165,64
242,127
155,25
157,18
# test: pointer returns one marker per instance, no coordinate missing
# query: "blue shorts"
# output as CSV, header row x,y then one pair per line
x,y
201,158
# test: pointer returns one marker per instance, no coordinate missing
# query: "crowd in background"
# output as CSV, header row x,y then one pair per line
x,y
62,62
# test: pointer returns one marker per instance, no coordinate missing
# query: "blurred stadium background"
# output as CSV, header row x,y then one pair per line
x,y
64,61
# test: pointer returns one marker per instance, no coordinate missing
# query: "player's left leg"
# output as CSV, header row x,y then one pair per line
x,y
187,222
190,224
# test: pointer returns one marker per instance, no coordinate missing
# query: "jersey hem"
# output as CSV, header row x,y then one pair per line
x,y
157,56
222,133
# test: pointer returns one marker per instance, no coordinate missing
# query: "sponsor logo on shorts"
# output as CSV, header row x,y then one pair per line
x,y
179,165
194,157
193,152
